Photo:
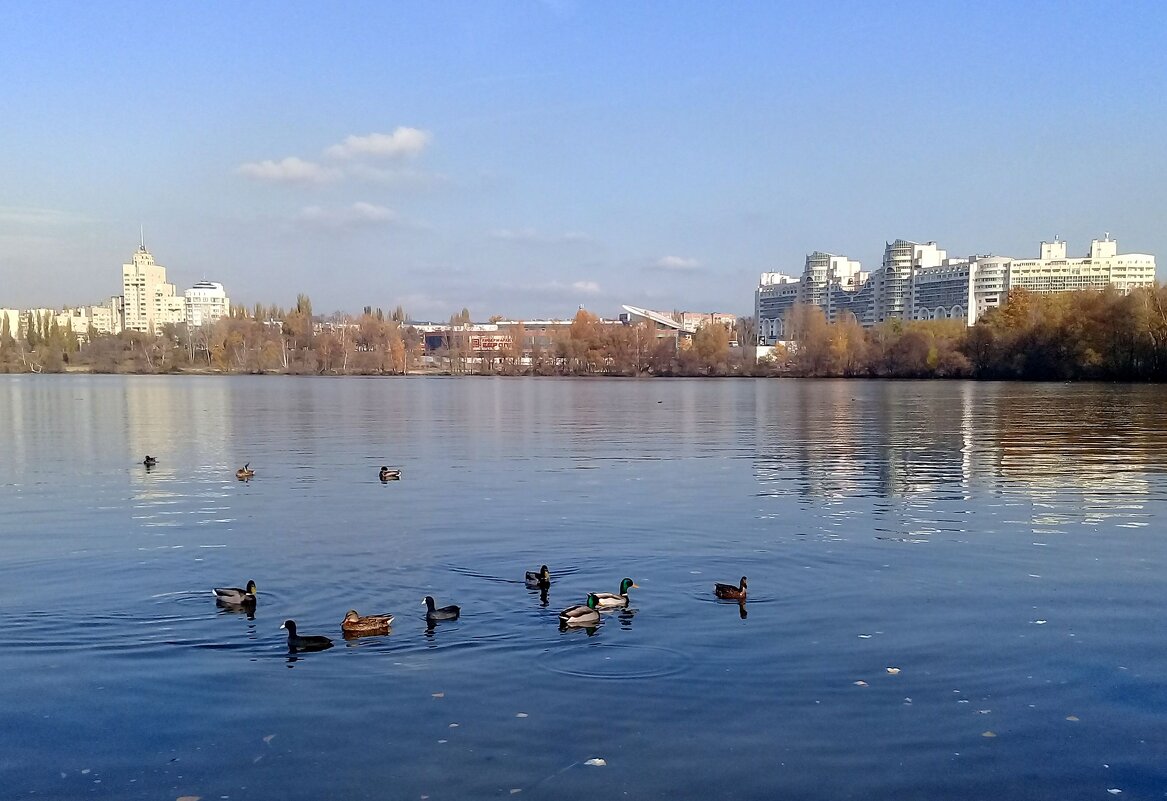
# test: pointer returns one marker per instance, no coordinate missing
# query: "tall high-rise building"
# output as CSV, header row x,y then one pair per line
x,y
150,302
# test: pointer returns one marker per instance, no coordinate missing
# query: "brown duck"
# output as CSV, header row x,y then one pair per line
x,y
355,624
730,591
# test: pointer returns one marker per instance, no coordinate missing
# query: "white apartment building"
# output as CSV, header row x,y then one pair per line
x,y
206,302
103,319
919,282
901,261
150,302
1103,267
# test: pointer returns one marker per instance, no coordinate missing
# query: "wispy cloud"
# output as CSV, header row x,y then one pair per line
x,y
292,170
395,177
530,235
33,216
558,290
404,141
678,264
357,215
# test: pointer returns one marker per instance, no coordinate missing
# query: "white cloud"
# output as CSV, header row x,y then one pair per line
x,y
33,216
358,215
586,287
402,142
292,170
676,264
533,236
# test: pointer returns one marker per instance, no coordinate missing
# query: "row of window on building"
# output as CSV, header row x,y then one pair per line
x,y
918,281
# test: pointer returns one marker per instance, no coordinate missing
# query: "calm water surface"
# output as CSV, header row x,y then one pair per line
x,y
1000,545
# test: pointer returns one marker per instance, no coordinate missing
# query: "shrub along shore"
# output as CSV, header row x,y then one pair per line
x,y
1085,335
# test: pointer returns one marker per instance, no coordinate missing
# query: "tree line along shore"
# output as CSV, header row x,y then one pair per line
x,y
1085,335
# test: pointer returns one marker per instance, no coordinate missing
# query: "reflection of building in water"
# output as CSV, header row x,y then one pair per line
x,y
1100,446
187,419
839,439
892,439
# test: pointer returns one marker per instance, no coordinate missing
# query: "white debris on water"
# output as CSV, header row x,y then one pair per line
x,y
895,671
521,715
596,762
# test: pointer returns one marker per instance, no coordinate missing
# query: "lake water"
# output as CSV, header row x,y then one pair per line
x,y
1001,546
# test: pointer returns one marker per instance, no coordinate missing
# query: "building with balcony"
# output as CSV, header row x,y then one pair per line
x,y
920,282
206,302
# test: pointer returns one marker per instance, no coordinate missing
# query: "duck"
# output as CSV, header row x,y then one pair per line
x,y
582,615
540,578
730,591
354,623
245,472
612,600
234,595
441,613
389,475
149,461
304,642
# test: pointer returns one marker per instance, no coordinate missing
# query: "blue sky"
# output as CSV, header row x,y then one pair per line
x,y
526,158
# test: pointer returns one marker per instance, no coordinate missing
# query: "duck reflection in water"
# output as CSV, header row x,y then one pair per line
x,y
544,598
226,609
626,616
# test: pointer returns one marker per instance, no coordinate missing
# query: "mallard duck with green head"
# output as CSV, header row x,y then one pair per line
x,y
615,600
583,615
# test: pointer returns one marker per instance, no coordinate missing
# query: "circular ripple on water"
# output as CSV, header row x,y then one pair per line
x,y
612,661
557,572
708,597
205,597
